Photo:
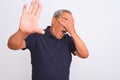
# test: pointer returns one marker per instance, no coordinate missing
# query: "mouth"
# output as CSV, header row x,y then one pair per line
x,y
64,31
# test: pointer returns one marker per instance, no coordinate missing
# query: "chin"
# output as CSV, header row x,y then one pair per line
x,y
59,37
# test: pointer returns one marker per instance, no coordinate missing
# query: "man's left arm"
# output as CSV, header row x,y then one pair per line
x,y
81,49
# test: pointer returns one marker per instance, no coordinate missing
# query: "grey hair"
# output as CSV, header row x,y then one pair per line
x,y
59,12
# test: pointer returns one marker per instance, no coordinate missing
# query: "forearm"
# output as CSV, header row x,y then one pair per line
x,y
16,40
81,48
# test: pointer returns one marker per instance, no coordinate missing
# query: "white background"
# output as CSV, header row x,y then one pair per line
x,y
97,23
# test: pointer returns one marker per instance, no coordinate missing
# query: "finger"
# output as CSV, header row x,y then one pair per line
x,y
38,10
39,30
24,9
31,7
63,22
35,7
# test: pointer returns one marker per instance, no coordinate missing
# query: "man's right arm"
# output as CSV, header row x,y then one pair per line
x,y
28,25
17,41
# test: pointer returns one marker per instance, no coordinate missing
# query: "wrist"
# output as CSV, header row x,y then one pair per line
x,y
73,33
22,34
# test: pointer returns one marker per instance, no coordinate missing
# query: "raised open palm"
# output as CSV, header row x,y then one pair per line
x,y
29,19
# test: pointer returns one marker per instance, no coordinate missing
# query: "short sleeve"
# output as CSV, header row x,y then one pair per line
x,y
29,41
71,45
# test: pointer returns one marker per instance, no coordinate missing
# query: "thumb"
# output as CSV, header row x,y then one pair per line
x,y
39,30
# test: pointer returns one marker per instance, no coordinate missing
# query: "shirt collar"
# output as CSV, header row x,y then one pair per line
x,y
47,31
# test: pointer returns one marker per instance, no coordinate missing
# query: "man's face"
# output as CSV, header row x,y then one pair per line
x,y
59,30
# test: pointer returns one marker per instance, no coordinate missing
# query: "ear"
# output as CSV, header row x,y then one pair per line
x,y
53,20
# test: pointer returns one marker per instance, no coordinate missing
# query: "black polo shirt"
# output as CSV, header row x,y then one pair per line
x,y
50,57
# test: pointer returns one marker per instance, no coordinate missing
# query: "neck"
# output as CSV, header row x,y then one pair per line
x,y
52,30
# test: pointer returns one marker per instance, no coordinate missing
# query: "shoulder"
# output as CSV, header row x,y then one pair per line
x,y
67,36
34,35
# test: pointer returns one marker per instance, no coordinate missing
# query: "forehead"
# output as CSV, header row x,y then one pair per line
x,y
66,15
